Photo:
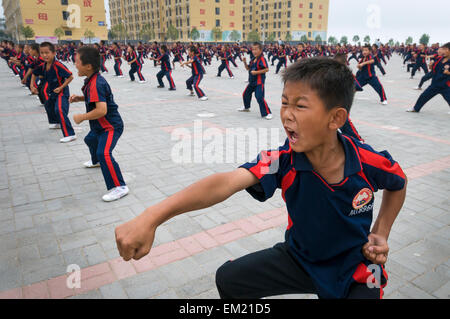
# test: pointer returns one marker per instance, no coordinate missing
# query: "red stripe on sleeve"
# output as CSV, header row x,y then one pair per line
x,y
380,162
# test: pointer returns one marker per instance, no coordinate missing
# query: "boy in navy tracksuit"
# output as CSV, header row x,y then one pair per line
x,y
281,58
420,61
104,120
117,53
257,69
56,90
327,180
136,66
224,56
166,69
378,57
440,83
366,74
197,74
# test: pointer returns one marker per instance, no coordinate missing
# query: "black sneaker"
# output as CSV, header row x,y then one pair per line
x,y
172,89
160,87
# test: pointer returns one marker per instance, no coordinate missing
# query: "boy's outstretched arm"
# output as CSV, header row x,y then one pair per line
x,y
135,238
376,249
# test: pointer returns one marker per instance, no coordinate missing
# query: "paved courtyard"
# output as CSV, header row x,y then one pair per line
x,y
52,215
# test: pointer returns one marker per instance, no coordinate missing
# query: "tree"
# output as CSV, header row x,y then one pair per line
x,y
409,41
120,31
147,32
89,34
217,34
318,39
235,36
111,34
424,39
59,33
253,36
356,38
391,42
195,35
304,38
332,40
27,32
172,33
288,37
271,37
344,40
367,39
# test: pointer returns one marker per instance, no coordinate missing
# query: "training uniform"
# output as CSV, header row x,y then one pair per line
x,y
135,67
105,131
118,62
57,104
440,84
368,76
225,64
256,84
166,70
328,224
197,76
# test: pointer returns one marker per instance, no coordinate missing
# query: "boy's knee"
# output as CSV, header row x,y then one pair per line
x,y
224,275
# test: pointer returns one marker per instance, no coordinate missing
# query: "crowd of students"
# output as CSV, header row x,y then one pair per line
x,y
327,174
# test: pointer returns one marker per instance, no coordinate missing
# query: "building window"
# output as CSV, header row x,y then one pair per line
x,y
65,15
217,11
218,23
64,2
310,5
310,25
67,32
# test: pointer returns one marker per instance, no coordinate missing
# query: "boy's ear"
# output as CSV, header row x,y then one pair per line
x,y
338,118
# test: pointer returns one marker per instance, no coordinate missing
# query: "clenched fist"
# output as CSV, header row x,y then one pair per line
x,y
134,239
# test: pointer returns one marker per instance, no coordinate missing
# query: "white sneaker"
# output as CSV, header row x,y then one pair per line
x,y
68,139
54,126
120,76
204,98
411,110
232,77
141,82
269,117
190,94
243,109
116,193
384,102
417,88
246,81
89,164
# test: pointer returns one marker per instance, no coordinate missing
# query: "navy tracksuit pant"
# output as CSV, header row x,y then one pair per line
x,y
374,82
430,93
417,67
167,74
193,82
136,69
117,65
224,66
101,145
425,78
259,95
281,62
57,108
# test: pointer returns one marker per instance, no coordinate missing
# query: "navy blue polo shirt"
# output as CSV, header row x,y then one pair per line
x,y
54,77
257,65
439,78
165,62
96,89
197,67
368,70
327,224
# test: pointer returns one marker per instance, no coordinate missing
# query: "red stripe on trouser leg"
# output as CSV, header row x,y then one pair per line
x,y
172,84
61,116
197,89
108,158
141,77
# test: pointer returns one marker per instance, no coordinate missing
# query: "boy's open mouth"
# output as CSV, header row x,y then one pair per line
x,y
292,135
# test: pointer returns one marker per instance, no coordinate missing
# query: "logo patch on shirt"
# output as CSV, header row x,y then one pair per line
x,y
362,198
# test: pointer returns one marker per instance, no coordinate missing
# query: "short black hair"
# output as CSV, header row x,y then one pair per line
x,y
34,47
341,57
446,46
90,55
193,49
48,45
164,48
333,81
257,44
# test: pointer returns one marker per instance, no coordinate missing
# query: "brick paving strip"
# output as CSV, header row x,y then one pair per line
x,y
96,276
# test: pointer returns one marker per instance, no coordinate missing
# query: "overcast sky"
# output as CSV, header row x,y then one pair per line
x,y
384,19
